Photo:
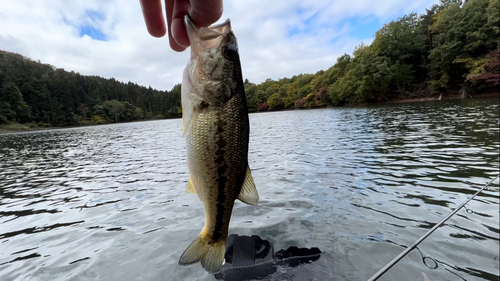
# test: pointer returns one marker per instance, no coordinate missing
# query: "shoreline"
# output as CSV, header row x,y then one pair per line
x,y
447,97
486,95
8,131
414,100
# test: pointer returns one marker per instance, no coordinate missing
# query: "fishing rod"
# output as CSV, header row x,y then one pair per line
x,y
422,238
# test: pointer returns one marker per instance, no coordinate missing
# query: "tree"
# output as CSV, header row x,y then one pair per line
x,y
57,97
461,33
250,91
369,76
338,70
483,70
453,45
114,108
12,105
403,43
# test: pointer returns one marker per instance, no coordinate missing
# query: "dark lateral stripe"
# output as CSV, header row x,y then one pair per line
x,y
221,187
221,209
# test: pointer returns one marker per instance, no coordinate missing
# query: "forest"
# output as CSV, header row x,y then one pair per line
x,y
453,48
41,95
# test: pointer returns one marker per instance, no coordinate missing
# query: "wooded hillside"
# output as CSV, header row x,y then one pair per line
x,y
43,95
452,48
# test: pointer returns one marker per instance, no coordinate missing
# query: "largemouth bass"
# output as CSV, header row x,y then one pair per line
x,y
216,128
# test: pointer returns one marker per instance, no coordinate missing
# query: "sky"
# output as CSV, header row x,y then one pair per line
x,y
276,39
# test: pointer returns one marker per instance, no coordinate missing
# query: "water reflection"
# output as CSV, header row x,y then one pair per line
x,y
109,202
36,229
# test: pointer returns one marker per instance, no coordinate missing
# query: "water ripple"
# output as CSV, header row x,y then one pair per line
x,y
362,183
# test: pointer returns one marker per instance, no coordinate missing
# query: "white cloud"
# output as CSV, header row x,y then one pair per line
x,y
48,31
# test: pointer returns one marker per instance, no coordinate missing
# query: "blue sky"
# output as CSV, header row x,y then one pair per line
x,y
276,39
92,27
363,27
359,27
93,32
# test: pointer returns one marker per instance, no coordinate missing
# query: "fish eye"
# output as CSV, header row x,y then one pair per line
x,y
229,52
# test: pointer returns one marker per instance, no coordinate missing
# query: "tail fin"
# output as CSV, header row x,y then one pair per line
x,y
211,255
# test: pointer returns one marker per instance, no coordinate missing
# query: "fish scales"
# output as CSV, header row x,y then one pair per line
x,y
216,128
217,142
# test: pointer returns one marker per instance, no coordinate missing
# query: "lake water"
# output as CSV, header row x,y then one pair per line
x,y
362,183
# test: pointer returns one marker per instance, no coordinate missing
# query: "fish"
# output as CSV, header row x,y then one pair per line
x,y
217,130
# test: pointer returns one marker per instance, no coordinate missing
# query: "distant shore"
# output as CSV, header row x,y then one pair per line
x,y
10,131
394,101
444,97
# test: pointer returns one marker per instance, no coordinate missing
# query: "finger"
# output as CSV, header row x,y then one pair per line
x,y
202,12
205,12
177,27
170,6
155,23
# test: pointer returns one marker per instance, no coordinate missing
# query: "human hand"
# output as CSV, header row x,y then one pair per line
x,y
202,12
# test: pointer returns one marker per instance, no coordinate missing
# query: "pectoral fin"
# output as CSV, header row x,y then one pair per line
x,y
248,193
190,186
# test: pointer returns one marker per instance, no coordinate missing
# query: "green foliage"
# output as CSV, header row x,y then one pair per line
x,y
114,109
275,101
13,126
34,92
404,44
369,76
493,25
401,40
97,119
461,33
454,45
443,49
485,69
12,105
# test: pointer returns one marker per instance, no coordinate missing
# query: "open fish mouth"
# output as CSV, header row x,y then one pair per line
x,y
207,33
205,37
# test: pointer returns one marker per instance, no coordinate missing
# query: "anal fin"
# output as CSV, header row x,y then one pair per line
x,y
248,193
190,186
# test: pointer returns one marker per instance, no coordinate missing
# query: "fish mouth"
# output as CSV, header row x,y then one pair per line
x,y
206,37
